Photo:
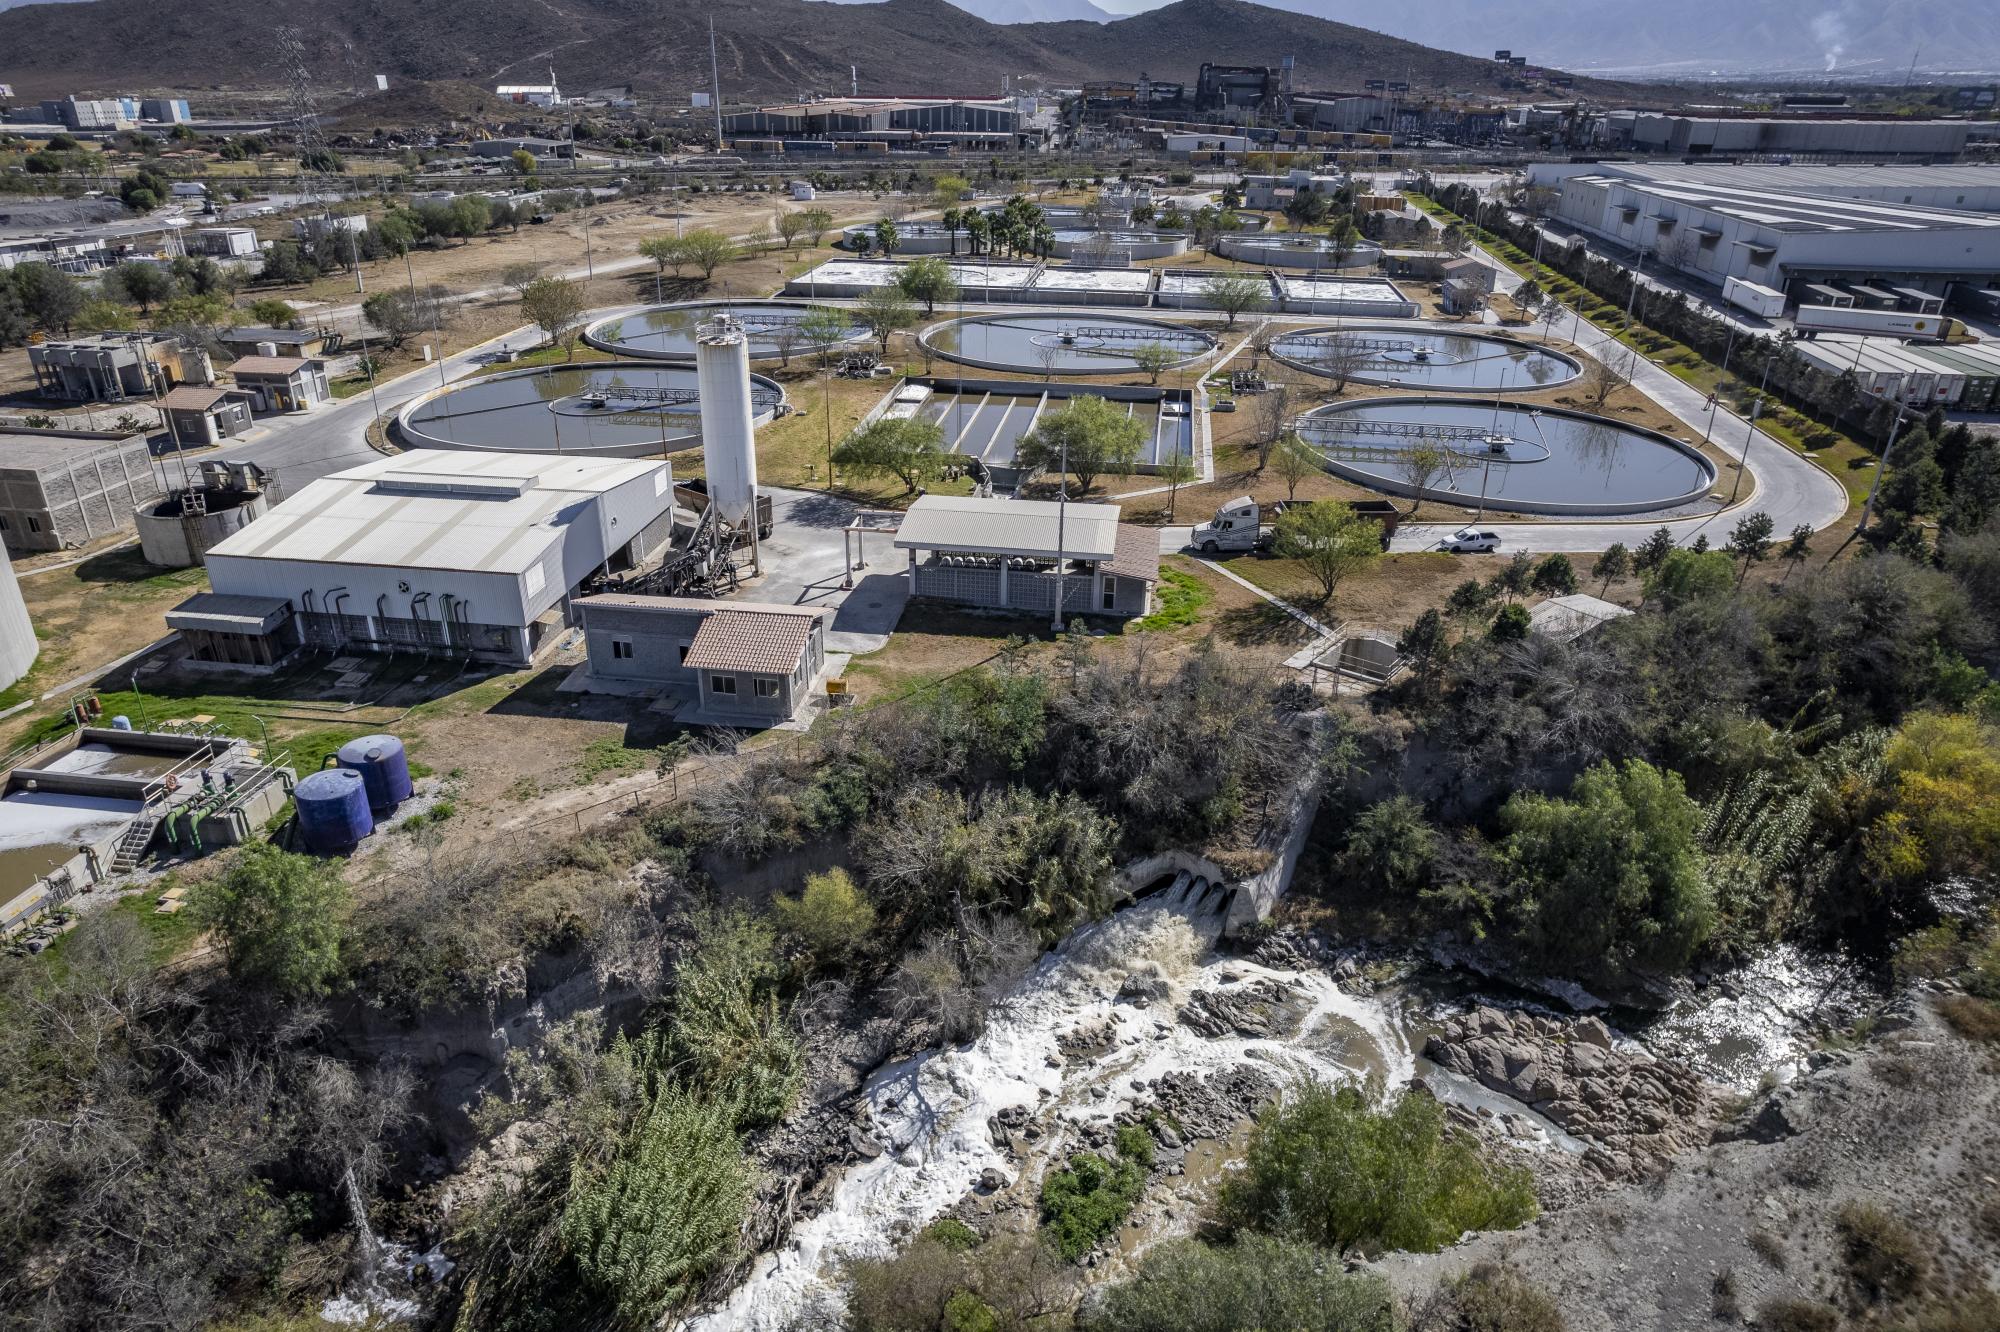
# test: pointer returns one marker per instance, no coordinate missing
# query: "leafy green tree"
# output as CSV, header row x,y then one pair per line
x,y
270,312
51,297
665,1215
708,250
830,917
1554,576
1652,552
1391,847
1689,575
928,280
1335,1167
1797,549
1750,541
1611,566
664,251
1087,434
1610,881
1515,577
143,284
106,317
884,311
1254,1284
523,162
886,237
1470,600
556,305
1155,358
398,313
1511,624
910,450
279,917
1330,541
1236,294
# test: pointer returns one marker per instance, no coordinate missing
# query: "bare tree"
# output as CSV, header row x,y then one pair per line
x,y
1295,460
1340,359
1421,465
1611,371
1270,415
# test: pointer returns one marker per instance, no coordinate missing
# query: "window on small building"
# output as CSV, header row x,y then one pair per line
x,y
34,523
682,659
722,684
767,689
621,649
1110,592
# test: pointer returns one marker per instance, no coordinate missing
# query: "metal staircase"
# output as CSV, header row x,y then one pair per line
x,y
132,846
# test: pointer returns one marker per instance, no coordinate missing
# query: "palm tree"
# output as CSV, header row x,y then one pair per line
x,y
951,219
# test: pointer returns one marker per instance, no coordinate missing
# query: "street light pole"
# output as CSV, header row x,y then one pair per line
x,y
1881,465
1743,461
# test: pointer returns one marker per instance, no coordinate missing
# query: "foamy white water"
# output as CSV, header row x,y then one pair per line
x,y
931,1111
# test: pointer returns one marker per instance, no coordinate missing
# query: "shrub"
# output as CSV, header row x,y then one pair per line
x,y
725,1034
665,1213
1007,1284
830,917
1886,1259
1974,1019
1085,1203
279,917
1257,1284
1489,1298
1610,880
1326,1166
1788,1315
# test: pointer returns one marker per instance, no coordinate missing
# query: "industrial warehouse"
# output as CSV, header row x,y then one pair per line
x,y
1787,228
446,551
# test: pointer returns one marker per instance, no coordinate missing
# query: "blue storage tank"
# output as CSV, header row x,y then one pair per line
x,y
383,767
333,809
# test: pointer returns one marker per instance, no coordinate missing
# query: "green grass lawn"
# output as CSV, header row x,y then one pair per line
x,y
1181,598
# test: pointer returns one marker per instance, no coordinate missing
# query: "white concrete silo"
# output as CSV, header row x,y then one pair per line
x,y
18,645
728,435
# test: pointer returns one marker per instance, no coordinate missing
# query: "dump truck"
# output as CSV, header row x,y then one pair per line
x,y
1238,525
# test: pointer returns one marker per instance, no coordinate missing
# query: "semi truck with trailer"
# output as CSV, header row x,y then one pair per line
x,y
1813,320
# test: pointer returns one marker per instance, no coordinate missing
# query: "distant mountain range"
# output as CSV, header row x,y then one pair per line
x,y
769,49
1693,38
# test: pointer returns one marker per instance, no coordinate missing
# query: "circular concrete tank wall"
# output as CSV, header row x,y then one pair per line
x,y
616,410
1290,251
172,538
18,644
1075,242
667,332
1062,344
1436,361
912,238
1521,458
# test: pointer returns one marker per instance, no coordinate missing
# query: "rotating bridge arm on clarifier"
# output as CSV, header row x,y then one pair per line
x,y
1309,426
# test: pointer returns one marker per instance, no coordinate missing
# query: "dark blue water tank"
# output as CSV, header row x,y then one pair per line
x,y
383,768
333,809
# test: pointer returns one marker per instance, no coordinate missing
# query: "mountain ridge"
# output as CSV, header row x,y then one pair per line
x,y
768,49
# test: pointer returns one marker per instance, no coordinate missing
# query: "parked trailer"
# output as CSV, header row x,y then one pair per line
x,y
1813,320
1758,300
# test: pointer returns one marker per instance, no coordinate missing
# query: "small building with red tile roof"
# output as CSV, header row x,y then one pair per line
x,y
735,663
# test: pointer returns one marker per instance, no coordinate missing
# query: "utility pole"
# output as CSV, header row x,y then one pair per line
x,y
1062,514
1881,465
715,77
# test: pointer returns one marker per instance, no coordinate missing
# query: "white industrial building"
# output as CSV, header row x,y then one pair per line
x,y
1724,133
453,552
1790,227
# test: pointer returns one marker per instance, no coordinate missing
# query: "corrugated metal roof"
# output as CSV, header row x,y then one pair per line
x,y
223,612
269,365
740,640
1573,616
360,516
1009,527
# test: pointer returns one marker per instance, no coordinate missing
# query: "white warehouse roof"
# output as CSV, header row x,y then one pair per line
x,y
440,509
1010,527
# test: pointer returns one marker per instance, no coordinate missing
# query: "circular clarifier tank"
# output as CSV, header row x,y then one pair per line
x,y
1298,251
1521,458
666,332
1437,362
616,410
1063,344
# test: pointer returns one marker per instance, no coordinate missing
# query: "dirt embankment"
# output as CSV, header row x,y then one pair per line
x,y
1904,1124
